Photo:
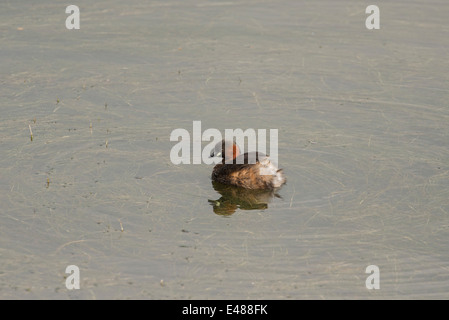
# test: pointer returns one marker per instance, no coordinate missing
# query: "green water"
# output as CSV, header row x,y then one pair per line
x,y
362,117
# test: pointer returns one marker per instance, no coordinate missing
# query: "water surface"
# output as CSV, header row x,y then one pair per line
x,y
363,138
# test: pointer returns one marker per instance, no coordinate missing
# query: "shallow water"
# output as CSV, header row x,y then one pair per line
x,y
363,139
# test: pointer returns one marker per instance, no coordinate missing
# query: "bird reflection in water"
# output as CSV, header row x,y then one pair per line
x,y
233,198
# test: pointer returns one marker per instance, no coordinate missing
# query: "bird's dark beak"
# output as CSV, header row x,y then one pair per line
x,y
213,155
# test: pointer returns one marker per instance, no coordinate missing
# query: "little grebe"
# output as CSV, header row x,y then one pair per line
x,y
237,170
